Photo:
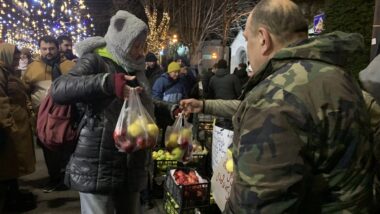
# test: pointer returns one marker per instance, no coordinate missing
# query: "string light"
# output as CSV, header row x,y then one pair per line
x,y
23,22
158,32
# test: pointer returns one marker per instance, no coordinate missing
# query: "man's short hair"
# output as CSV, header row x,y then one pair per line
x,y
62,38
283,20
48,39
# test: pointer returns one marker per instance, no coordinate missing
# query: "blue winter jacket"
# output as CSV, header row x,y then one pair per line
x,y
169,90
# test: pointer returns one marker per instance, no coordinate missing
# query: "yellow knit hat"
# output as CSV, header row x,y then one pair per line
x,y
173,67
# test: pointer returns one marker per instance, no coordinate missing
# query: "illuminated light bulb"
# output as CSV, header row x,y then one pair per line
x,y
39,12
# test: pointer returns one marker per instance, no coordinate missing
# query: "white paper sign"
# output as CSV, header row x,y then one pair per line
x,y
221,140
221,182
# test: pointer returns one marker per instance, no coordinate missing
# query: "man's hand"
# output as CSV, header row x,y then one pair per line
x,y
191,106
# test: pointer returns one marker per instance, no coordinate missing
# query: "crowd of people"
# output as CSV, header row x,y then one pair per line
x,y
305,132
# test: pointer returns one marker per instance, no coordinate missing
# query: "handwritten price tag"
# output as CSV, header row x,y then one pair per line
x,y
221,182
221,140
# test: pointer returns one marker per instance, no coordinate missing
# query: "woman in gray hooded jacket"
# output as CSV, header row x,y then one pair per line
x,y
108,181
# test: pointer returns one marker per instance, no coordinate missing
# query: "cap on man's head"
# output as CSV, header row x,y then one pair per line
x,y
222,64
150,57
174,66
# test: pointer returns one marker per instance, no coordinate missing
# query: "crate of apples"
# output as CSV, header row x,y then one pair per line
x,y
188,188
139,134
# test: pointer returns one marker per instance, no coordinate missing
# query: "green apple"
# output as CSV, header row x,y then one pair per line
x,y
177,153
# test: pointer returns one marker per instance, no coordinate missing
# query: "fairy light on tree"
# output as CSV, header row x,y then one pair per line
x,y
157,37
23,22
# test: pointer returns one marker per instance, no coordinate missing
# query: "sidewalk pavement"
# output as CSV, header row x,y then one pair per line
x,y
58,202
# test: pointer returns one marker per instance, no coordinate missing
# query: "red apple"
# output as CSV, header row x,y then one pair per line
x,y
140,143
119,135
151,142
127,146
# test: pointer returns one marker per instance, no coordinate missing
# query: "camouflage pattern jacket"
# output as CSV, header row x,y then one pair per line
x,y
302,134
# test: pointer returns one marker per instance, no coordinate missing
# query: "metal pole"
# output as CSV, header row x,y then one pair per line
x,y
376,31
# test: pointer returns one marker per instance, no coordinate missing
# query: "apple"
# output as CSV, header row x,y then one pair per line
x,y
127,146
140,142
142,121
151,142
153,130
119,135
229,153
135,130
230,165
177,153
173,141
186,133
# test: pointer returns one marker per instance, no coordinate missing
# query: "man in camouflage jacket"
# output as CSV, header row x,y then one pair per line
x,y
301,130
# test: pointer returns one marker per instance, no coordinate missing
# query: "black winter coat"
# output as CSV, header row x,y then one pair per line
x,y
153,74
96,166
224,85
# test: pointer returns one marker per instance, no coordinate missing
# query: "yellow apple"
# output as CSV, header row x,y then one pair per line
x,y
173,137
173,141
229,153
186,133
135,130
230,165
153,130
142,121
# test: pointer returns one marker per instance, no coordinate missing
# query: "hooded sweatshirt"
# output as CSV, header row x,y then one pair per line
x,y
301,133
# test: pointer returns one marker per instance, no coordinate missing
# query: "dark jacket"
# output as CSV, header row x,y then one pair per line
x,y
224,85
242,75
205,78
153,74
96,166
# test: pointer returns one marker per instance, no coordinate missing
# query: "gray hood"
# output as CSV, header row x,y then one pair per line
x,y
370,78
123,31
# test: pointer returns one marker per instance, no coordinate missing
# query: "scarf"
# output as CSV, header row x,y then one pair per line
x,y
54,63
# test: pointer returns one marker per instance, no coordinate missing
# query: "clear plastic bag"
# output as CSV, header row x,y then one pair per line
x,y
135,129
178,139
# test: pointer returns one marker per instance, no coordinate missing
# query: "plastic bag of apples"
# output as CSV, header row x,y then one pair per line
x,y
135,129
178,139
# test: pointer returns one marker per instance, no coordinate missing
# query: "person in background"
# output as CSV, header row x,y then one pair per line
x,y
38,78
108,181
168,86
17,156
224,85
301,122
153,70
205,78
188,77
25,60
66,47
241,73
